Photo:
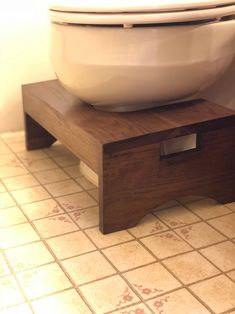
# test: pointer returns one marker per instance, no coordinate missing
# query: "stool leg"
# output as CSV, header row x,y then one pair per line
x,y
36,136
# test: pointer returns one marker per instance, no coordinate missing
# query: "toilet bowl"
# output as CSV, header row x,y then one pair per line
x,y
125,56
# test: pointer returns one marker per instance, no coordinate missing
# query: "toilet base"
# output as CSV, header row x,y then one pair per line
x,y
125,150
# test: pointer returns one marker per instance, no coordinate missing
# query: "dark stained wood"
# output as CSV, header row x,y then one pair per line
x,y
124,149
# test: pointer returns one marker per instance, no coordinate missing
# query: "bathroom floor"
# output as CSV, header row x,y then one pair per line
x,y
179,260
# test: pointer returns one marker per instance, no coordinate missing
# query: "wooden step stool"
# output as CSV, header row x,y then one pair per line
x,y
124,150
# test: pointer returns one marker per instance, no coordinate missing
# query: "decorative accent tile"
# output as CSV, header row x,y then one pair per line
x,y
67,302
148,225
105,240
76,201
222,255
11,166
128,255
17,235
63,188
177,302
208,208
51,176
190,267
4,269
151,280
87,217
108,294
225,224
141,308
87,185
20,182
43,280
10,292
46,208
29,195
18,309
66,160
11,216
73,171
218,293
6,200
40,164
166,244
71,244
55,225
200,235
28,256
176,216
88,267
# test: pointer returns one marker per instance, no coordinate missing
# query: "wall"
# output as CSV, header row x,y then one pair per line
x,y
24,55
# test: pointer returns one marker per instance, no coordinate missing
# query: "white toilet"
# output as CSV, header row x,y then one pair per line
x,y
121,55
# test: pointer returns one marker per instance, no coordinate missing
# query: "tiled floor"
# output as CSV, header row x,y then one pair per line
x,y
179,260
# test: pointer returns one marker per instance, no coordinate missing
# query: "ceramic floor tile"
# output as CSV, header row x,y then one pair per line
x,y
20,182
17,235
128,255
66,160
10,292
34,194
11,166
168,204
208,208
190,267
4,269
76,201
73,171
4,149
67,302
177,302
87,185
95,194
151,280
176,216
218,293
28,156
140,308
225,224
222,255
88,267
42,209
17,146
12,137
166,244
57,150
192,198
63,188
43,280
2,188
71,244
231,274
105,240
200,235
55,225
11,216
148,225
40,165
18,309
6,200
231,206
108,294
87,217
28,256
51,176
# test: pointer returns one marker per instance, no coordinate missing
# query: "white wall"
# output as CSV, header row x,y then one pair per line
x,y
24,55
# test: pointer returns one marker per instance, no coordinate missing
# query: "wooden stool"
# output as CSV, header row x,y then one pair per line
x,y
124,150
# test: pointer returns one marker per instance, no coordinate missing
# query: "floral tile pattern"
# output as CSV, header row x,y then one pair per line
x,y
180,259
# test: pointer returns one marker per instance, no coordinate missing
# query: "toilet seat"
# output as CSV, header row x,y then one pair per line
x,y
120,12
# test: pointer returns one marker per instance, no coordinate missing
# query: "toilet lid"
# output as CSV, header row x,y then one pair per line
x,y
116,12
140,6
